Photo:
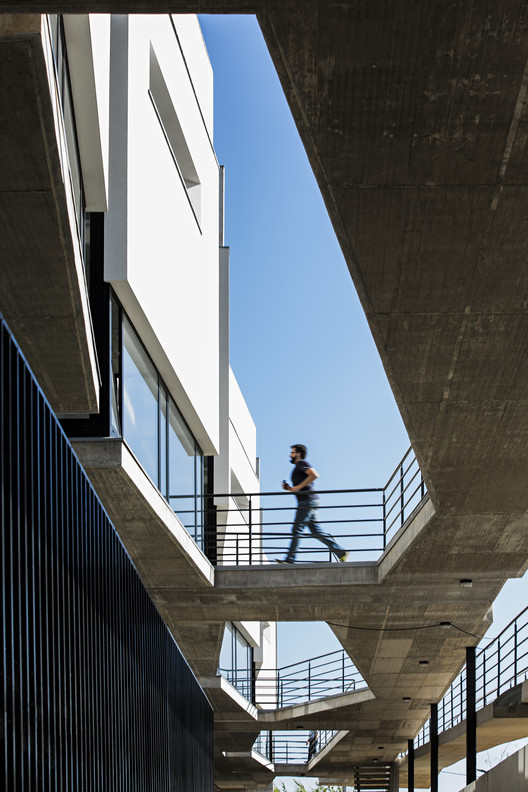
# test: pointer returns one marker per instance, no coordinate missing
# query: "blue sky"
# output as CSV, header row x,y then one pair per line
x,y
300,345
301,348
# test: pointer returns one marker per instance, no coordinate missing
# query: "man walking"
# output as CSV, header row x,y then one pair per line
x,y
303,476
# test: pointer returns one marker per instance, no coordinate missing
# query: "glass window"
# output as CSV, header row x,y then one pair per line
x,y
115,385
236,660
226,652
163,406
140,402
182,471
243,665
154,428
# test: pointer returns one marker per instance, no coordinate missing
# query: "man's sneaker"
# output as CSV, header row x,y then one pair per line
x,y
283,561
342,556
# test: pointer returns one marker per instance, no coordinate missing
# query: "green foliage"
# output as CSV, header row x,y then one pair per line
x,y
299,787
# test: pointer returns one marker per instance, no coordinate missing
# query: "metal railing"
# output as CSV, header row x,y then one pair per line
x,y
325,675
254,528
499,666
286,747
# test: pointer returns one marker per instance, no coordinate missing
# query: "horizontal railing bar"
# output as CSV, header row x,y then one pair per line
x,y
402,510
235,495
501,634
291,507
398,467
402,475
401,492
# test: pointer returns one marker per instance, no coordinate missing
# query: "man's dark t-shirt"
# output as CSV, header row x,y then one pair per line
x,y
299,473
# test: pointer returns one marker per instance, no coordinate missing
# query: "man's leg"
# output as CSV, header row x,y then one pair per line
x,y
312,520
297,528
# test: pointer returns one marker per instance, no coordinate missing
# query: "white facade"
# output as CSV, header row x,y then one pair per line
x,y
161,237
143,94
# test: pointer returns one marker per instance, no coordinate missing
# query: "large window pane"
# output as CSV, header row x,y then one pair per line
x,y
163,406
226,653
140,402
182,450
243,665
115,385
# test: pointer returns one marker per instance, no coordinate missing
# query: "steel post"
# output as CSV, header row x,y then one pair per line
x,y
410,765
402,495
250,526
434,747
471,716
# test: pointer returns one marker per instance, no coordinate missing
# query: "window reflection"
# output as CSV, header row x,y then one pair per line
x,y
236,660
140,402
182,451
157,434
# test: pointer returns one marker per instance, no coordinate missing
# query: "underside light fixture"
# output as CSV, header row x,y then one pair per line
x,y
423,662
465,583
406,699
445,625
381,747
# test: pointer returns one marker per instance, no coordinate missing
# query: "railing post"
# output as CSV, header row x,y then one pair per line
x,y
498,667
515,652
270,737
343,671
402,495
433,727
484,677
250,525
471,716
410,765
384,521
309,678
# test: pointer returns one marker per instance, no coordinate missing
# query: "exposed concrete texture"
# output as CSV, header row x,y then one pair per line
x,y
511,774
157,543
414,117
42,282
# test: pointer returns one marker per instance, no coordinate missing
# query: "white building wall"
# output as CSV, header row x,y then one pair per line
x,y
162,256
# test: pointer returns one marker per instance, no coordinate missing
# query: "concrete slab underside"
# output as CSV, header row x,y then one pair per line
x,y
414,118
43,294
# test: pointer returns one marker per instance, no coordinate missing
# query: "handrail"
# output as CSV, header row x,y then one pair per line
x,y
253,531
286,747
318,677
499,666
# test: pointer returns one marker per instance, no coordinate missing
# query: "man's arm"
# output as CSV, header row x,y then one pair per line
x,y
311,475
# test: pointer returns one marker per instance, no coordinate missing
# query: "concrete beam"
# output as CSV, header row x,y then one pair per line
x,y
43,294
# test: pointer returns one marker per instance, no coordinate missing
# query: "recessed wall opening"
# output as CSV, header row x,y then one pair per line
x,y
173,133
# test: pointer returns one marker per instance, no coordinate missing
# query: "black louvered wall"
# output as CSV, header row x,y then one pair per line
x,y
96,693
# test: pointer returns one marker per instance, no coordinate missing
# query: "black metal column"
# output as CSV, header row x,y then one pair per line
x,y
471,716
434,747
410,765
